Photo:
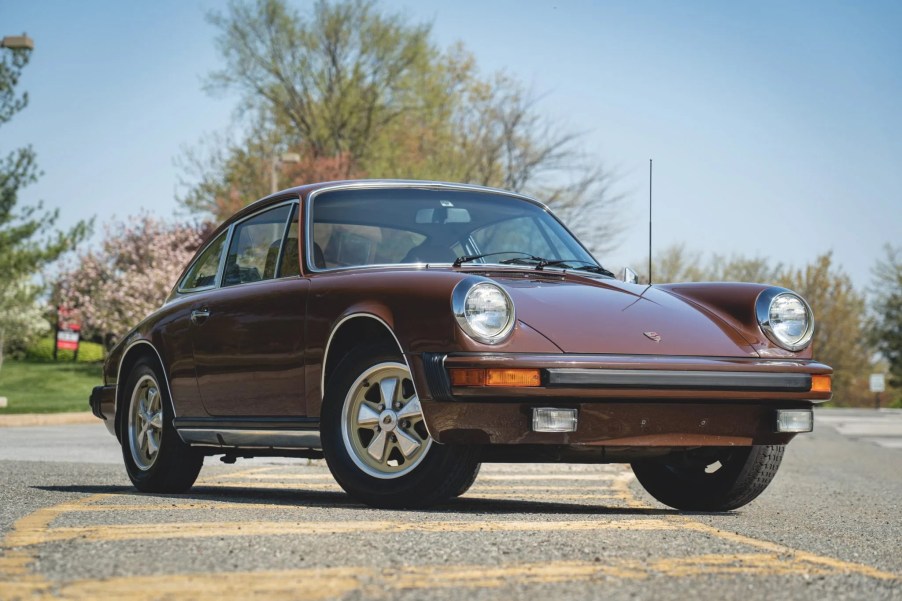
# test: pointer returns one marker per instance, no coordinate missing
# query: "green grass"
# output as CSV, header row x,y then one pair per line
x,y
40,387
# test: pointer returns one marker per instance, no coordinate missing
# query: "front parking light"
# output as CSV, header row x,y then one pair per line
x,y
549,419
795,420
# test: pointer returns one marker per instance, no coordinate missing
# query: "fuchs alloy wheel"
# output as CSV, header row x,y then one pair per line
x,y
718,479
383,427
375,438
155,457
145,422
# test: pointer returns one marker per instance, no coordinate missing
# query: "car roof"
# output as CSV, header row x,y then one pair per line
x,y
307,189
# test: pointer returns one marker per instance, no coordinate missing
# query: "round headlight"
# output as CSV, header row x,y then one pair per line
x,y
786,319
483,310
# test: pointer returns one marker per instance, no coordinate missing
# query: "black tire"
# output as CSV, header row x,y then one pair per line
x,y
468,482
174,467
682,482
431,477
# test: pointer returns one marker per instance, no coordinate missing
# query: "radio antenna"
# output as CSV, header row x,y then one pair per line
x,y
649,220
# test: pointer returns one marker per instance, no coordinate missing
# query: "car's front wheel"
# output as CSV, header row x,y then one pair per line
x,y
375,439
155,457
718,479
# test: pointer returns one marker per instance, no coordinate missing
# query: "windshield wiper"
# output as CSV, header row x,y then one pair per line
x,y
467,258
541,263
586,266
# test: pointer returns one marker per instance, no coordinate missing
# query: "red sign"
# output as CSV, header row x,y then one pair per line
x,y
68,329
67,340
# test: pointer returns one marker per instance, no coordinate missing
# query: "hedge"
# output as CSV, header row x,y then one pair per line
x,y
42,350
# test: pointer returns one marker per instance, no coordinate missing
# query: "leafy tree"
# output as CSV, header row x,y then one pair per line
x,y
21,315
130,276
27,240
358,91
676,263
840,336
887,311
222,175
335,79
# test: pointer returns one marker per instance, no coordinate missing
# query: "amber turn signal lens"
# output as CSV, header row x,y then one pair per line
x,y
467,377
821,384
512,377
495,377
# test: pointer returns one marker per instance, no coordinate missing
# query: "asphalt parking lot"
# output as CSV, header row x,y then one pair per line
x,y
71,527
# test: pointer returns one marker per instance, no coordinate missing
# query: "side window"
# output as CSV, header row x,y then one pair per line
x,y
291,262
203,273
254,250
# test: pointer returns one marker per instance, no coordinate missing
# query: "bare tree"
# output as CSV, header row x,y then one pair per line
x,y
369,90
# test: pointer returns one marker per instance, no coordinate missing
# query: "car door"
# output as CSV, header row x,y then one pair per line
x,y
248,334
176,328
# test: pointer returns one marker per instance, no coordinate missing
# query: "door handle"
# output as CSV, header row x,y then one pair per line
x,y
198,316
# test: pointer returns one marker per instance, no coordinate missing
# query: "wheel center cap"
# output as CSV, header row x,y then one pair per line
x,y
389,420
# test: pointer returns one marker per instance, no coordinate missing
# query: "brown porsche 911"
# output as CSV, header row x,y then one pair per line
x,y
410,331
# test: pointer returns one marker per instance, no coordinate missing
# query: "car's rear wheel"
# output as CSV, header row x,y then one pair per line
x,y
155,457
718,479
375,439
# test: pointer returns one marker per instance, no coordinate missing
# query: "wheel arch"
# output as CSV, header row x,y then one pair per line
x,y
137,350
346,332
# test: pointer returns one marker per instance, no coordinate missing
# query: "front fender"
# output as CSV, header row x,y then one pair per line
x,y
734,304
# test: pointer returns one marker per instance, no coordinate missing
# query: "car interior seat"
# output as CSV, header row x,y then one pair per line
x,y
429,252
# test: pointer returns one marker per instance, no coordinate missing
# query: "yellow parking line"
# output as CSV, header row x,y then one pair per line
x,y
837,564
621,487
106,507
548,477
251,475
550,487
474,493
269,475
274,485
532,498
173,530
315,584
17,578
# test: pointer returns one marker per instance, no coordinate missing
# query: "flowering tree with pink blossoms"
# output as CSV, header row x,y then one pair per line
x,y
115,287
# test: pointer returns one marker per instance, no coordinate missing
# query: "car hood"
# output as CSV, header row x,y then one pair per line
x,y
589,315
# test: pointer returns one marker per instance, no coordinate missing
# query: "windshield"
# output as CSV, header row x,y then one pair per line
x,y
384,226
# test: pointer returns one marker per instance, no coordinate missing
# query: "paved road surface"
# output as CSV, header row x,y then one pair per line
x,y
71,527
883,427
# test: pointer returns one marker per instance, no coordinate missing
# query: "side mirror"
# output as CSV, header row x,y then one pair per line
x,y
629,276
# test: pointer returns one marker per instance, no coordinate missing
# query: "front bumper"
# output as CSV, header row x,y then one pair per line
x,y
621,401
103,404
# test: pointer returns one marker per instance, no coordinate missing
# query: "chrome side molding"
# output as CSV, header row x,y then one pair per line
x,y
251,439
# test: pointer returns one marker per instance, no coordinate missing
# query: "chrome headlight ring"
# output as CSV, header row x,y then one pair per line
x,y
483,310
785,318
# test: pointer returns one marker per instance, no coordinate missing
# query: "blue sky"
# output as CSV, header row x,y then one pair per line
x,y
775,127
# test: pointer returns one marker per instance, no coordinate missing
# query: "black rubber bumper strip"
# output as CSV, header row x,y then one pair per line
x,y
678,380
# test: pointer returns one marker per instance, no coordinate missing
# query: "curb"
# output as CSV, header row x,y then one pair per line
x,y
22,420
